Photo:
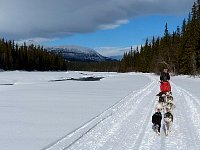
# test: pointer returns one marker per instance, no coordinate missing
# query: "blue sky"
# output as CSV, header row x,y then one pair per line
x,y
133,33
108,26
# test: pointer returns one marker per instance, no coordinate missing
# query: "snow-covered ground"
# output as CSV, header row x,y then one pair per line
x,y
37,113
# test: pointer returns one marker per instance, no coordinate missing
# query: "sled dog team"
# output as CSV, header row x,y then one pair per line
x,y
164,106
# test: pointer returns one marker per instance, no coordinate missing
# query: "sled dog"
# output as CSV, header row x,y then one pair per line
x,y
169,107
159,106
161,102
168,93
156,120
169,99
168,120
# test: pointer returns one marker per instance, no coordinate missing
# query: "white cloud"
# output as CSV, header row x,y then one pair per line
x,y
25,19
113,51
113,25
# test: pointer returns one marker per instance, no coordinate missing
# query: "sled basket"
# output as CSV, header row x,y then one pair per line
x,y
165,87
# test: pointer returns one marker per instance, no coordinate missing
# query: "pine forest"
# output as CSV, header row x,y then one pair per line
x,y
179,51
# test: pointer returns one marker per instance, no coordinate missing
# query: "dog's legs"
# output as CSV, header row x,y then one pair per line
x,y
163,107
165,99
156,129
170,126
166,128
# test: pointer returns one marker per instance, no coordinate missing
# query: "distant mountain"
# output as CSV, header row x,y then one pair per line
x,y
118,57
78,53
113,52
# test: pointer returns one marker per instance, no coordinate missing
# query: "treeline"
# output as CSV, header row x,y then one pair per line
x,y
15,57
94,66
179,51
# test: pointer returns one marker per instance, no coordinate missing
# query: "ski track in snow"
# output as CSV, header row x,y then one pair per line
x,y
127,124
189,117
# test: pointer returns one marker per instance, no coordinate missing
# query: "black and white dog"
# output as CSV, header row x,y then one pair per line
x,y
169,99
168,120
165,96
169,107
161,100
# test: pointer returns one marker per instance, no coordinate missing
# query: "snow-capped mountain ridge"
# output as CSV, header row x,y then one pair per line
x,y
76,48
78,53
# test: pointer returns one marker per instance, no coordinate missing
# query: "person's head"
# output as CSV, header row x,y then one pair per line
x,y
165,70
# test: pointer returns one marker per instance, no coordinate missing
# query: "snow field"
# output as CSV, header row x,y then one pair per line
x,y
111,114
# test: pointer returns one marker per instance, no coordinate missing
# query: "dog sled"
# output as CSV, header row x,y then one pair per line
x,y
165,106
165,87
